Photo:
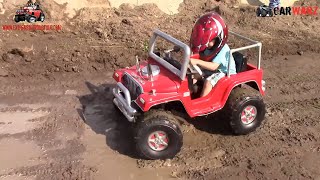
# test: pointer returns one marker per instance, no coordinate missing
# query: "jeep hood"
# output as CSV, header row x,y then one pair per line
x,y
164,82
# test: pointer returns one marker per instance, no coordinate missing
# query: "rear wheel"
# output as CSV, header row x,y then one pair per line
x,y
42,17
158,135
270,12
246,110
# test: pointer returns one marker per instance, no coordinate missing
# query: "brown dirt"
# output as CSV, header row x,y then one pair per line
x,y
46,73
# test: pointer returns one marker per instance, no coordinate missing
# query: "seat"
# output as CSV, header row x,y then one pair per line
x,y
240,61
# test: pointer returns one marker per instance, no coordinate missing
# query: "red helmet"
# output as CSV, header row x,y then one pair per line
x,y
208,27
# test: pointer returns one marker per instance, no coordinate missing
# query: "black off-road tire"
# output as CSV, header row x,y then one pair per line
x,y
42,17
156,121
263,13
258,12
31,19
16,19
271,12
242,99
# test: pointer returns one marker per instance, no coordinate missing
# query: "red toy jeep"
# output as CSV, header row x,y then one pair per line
x,y
30,13
146,92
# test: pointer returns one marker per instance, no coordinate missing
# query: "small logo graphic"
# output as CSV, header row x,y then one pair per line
x,y
266,11
31,13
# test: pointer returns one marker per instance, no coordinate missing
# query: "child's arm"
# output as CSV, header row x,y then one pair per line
x,y
212,66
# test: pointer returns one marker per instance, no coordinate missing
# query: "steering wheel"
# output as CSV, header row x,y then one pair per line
x,y
194,69
170,59
173,62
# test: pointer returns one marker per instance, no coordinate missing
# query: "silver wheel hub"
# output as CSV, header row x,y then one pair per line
x,y
158,140
248,114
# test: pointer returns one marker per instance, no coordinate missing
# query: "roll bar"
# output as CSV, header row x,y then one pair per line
x,y
256,44
187,52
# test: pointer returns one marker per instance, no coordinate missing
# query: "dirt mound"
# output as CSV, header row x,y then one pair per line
x,y
106,39
140,23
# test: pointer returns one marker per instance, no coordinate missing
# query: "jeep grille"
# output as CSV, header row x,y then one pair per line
x,y
134,88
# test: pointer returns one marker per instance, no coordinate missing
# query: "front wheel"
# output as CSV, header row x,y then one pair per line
x,y
264,13
158,136
16,19
258,11
246,111
31,19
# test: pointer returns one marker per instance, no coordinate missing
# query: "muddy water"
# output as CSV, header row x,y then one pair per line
x,y
17,152
96,149
113,165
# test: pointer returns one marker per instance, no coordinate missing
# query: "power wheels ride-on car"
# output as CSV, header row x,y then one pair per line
x,y
31,14
146,92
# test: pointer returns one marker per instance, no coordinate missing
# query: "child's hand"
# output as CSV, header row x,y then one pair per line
x,y
193,61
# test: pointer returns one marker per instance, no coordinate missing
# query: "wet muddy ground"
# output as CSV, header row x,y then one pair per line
x,y
68,129
57,120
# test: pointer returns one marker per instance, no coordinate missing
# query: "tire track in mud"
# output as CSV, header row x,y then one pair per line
x,y
312,103
17,122
64,170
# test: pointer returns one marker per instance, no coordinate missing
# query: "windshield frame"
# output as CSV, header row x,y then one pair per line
x,y
186,53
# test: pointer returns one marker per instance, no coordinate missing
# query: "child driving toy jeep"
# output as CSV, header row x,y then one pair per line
x,y
149,93
208,39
